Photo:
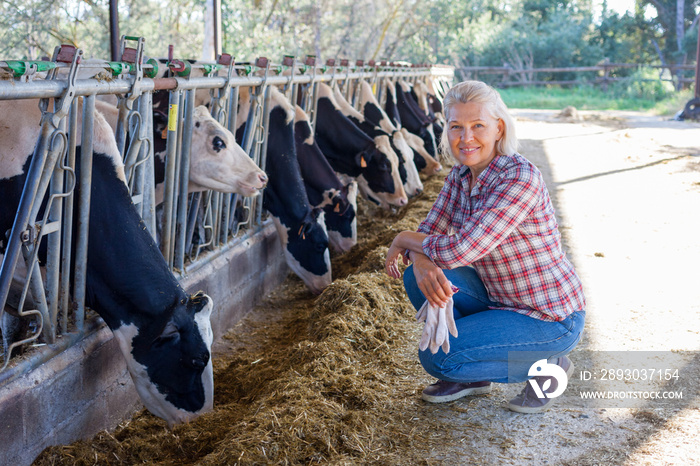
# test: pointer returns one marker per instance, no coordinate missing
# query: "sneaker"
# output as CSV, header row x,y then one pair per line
x,y
528,402
443,391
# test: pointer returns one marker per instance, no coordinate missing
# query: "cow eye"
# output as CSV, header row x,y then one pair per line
x,y
170,333
218,144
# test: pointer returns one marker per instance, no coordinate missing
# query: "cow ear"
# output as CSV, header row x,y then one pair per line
x,y
201,304
316,211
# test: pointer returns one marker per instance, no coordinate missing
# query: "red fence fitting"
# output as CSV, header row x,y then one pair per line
x,y
225,59
66,54
130,55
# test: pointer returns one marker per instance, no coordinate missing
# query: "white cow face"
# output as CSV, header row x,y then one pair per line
x,y
172,369
217,162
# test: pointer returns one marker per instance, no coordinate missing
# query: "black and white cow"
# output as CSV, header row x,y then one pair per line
x,y
164,334
378,126
423,160
402,112
324,189
423,101
300,227
372,110
354,154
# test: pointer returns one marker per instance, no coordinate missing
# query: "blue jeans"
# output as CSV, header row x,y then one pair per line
x,y
493,345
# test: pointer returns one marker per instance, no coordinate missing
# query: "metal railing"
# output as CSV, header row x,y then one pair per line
x,y
195,227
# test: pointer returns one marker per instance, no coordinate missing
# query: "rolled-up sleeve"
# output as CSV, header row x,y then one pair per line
x,y
503,206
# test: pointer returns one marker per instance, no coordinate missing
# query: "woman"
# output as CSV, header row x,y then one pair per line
x,y
492,234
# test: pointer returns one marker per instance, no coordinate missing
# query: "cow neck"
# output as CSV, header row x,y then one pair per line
x,y
339,138
127,278
317,173
285,196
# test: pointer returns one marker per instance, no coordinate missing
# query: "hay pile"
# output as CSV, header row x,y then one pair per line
x,y
328,379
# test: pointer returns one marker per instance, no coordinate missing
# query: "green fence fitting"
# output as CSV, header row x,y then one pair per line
x,y
210,68
118,68
151,73
20,68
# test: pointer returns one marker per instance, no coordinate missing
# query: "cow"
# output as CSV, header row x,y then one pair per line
x,y
354,154
425,162
324,189
405,115
217,162
425,102
377,126
429,103
163,333
373,112
301,228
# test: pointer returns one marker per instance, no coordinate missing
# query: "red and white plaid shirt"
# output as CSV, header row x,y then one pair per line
x,y
506,229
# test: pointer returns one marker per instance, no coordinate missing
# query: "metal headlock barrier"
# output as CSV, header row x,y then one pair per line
x,y
44,307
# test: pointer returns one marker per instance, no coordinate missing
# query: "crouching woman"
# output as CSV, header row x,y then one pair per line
x,y
492,234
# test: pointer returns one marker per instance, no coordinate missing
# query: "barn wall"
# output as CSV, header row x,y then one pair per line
x,y
87,387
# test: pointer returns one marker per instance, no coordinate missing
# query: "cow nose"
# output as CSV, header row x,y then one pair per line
x,y
200,361
263,178
403,201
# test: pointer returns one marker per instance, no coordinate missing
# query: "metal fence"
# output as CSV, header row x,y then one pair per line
x,y
603,75
49,306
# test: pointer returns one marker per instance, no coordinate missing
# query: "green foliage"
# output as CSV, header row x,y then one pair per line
x,y
643,84
590,98
520,34
624,39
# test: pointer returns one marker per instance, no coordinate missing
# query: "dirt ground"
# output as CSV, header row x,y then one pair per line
x,y
626,187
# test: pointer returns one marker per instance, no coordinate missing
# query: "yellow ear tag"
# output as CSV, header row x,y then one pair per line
x,y
337,208
363,164
164,133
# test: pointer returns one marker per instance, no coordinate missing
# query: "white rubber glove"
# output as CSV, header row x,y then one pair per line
x,y
431,322
439,321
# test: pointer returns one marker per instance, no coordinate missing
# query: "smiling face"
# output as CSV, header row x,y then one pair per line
x,y
472,133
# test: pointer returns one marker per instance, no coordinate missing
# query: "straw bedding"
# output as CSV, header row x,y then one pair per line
x,y
332,379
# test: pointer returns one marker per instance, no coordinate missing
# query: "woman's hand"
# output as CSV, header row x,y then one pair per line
x,y
399,247
431,280
392,260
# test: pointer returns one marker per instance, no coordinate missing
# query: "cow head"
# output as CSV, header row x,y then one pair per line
x,y
218,162
379,178
423,159
170,360
306,250
342,224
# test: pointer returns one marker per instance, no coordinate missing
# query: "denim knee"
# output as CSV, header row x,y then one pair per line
x,y
412,291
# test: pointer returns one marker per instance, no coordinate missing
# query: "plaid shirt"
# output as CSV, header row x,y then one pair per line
x,y
505,228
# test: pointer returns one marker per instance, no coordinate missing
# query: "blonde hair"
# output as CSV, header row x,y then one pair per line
x,y
477,91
